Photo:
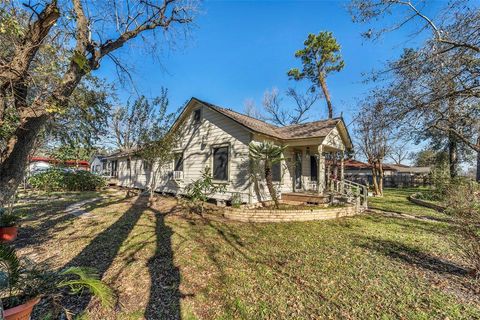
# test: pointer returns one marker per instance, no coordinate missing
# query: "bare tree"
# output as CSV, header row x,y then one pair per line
x,y
251,109
134,122
374,137
89,31
398,152
276,113
435,89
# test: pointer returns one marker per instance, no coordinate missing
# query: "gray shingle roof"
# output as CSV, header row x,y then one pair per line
x,y
314,129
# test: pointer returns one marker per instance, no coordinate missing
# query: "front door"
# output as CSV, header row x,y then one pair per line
x,y
298,171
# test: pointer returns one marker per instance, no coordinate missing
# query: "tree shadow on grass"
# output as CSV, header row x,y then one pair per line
x,y
51,218
414,257
102,250
165,295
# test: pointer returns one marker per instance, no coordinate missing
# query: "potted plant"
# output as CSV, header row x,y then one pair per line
x,y
8,227
23,284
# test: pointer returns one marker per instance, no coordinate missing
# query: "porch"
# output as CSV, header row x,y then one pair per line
x,y
311,170
316,175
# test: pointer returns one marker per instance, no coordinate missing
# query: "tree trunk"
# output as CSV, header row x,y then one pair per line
x,y
380,178
374,180
269,180
453,155
323,84
12,169
478,160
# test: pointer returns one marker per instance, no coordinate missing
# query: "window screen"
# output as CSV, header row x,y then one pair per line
x,y
313,168
178,162
220,163
276,172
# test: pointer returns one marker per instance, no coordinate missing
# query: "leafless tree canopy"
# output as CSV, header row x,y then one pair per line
x,y
277,113
433,89
375,137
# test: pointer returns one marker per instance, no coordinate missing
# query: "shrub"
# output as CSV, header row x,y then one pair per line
x,y
236,200
61,180
463,203
200,190
8,218
430,195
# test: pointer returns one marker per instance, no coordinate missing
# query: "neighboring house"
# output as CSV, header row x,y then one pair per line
x,y
394,175
218,138
98,164
36,164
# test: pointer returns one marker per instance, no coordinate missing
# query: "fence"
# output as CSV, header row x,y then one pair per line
x,y
393,181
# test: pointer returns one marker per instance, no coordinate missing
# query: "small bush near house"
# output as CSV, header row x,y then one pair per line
x,y
60,180
236,200
200,190
463,203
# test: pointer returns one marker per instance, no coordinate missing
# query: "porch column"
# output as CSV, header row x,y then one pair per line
x,y
321,170
342,171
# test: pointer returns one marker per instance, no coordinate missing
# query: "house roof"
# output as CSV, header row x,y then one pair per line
x,y
81,163
401,168
119,154
355,164
315,129
408,169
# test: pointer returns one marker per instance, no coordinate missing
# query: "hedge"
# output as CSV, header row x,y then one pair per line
x,y
62,180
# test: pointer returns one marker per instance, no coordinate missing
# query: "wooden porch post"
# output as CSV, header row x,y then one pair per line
x,y
321,170
342,171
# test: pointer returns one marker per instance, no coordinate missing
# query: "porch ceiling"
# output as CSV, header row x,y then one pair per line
x,y
314,148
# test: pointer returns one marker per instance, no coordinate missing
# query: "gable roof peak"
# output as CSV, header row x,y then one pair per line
x,y
313,129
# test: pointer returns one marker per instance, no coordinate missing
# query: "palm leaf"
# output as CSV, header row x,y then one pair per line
x,y
10,267
87,278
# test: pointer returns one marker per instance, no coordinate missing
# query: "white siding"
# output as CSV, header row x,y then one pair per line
x,y
198,140
334,140
215,129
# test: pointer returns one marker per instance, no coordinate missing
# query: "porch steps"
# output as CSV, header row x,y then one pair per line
x,y
305,197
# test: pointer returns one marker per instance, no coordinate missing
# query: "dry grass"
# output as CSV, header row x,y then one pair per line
x,y
165,263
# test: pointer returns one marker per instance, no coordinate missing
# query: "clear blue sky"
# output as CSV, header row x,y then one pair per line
x,y
240,49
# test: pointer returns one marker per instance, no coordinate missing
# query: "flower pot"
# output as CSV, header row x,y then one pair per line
x,y
21,312
8,233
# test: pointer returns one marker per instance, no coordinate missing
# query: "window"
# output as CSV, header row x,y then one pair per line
x,y
178,162
196,116
220,163
276,172
147,166
313,169
113,168
128,164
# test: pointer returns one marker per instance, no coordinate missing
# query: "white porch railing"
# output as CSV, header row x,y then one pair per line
x,y
313,186
177,175
352,191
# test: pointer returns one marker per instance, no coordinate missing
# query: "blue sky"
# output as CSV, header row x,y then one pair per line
x,y
239,49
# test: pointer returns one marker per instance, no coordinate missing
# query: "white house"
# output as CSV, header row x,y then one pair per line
x,y
98,164
218,138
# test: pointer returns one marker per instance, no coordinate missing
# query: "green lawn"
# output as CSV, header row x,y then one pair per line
x,y
165,264
395,200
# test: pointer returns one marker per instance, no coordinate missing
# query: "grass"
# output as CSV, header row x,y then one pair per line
x,y
165,263
396,200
